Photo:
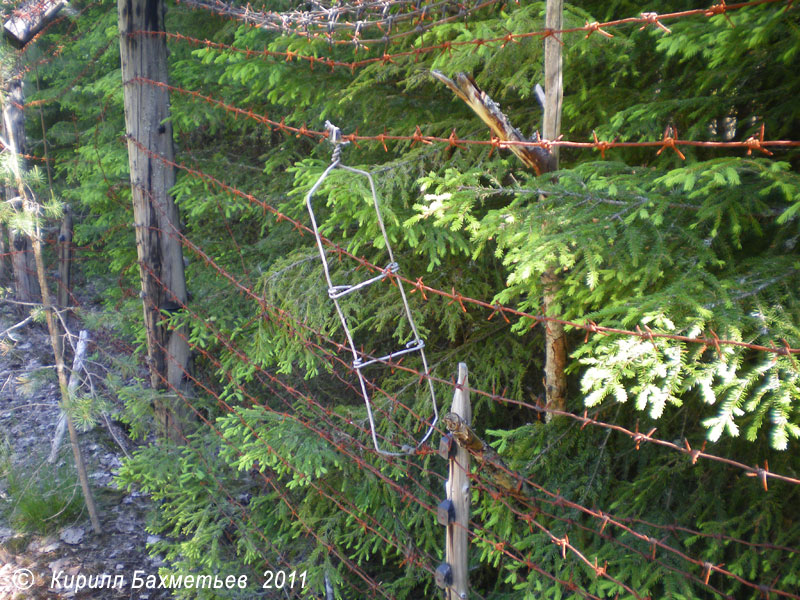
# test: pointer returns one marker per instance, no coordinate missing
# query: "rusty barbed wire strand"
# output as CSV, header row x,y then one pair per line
x,y
612,539
558,500
562,542
706,567
442,47
673,527
28,156
753,143
274,23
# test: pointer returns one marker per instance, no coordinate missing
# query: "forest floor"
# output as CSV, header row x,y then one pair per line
x,y
46,540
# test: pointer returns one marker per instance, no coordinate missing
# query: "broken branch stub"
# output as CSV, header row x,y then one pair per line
x,y
534,157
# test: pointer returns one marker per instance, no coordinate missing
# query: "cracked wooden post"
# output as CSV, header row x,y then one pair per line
x,y
23,263
155,214
453,574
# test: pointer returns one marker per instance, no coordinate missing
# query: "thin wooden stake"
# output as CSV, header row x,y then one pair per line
x,y
555,379
453,574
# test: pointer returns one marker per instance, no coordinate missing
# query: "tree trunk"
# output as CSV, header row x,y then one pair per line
x,y
555,380
23,264
155,214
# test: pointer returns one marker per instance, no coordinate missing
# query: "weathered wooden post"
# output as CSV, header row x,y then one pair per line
x,y
19,29
23,264
453,574
150,151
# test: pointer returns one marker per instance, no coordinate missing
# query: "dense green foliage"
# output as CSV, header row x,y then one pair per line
x,y
695,246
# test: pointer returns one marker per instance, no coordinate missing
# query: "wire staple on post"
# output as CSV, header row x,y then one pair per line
x,y
337,291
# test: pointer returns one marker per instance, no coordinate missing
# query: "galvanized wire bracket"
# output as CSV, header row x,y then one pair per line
x,y
339,291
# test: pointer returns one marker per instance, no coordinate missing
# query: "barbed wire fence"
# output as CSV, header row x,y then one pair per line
x,y
657,544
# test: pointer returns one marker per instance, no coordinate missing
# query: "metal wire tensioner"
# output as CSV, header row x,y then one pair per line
x,y
338,291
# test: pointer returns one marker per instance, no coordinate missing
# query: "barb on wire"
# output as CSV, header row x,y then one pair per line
x,y
337,291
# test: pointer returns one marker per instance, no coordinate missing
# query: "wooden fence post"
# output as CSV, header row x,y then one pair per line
x,y
23,263
453,574
155,214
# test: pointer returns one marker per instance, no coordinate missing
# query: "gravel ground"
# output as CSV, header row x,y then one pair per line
x,y
54,566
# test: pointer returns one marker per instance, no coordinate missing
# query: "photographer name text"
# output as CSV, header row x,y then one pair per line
x,y
141,580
